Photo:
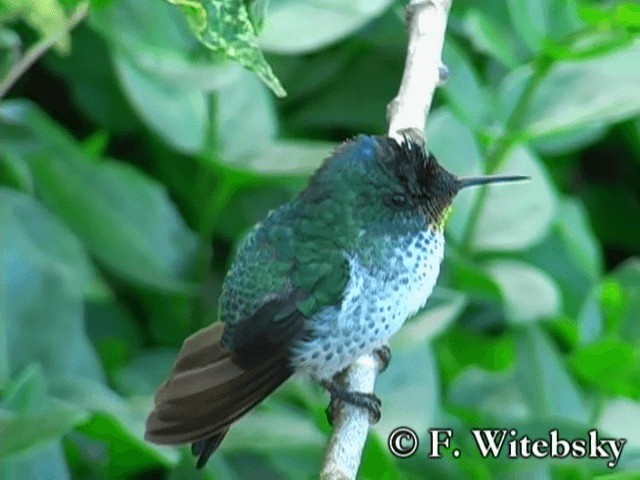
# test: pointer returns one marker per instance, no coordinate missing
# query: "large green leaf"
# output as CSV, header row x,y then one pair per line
x,y
295,26
10,47
528,293
116,421
43,276
245,119
573,93
628,278
537,21
48,462
356,106
619,419
157,40
570,255
516,216
274,429
582,246
124,218
611,366
542,377
490,36
33,418
177,113
89,76
463,88
47,17
458,349
226,27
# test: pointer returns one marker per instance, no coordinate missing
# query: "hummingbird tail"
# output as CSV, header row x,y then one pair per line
x,y
207,391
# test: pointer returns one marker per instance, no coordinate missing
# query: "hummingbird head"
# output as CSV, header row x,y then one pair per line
x,y
389,186
419,183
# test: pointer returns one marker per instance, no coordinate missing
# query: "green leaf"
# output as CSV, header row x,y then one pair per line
x,y
458,349
257,11
148,370
47,17
43,420
88,74
612,208
488,35
43,273
610,366
225,26
494,394
619,419
588,44
244,110
580,93
627,307
47,462
274,429
463,89
15,174
10,47
287,157
625,14
539,20
295,26
471,279
31,424
117,422
132,227
559,143
156,100
514,217
541,376
156,38
377,462
528,293
325,108
582,245
571,255
628,475
124,218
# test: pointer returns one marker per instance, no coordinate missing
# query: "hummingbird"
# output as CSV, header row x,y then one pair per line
x,y
324,279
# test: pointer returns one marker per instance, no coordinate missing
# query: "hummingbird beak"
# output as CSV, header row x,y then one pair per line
x,y
465,182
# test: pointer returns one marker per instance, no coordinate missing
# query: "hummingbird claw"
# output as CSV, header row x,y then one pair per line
x,y
384,357
368,401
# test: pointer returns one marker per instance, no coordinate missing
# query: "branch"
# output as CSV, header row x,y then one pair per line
x,y
40,48
423,72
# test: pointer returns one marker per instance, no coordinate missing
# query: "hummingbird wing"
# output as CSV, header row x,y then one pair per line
x,y
228,368
287,274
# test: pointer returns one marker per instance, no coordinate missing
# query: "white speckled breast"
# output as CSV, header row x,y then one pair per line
x,y
376,303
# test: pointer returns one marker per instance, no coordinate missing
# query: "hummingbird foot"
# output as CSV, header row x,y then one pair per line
x,y
384,357
368,401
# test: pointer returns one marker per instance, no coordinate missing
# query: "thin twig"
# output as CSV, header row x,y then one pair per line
x,y
423,72
39,49
350,423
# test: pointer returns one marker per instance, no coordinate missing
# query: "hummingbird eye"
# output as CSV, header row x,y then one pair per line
x,y
397,199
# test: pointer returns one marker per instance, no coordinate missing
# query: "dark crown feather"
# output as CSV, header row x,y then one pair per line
x,y
409,162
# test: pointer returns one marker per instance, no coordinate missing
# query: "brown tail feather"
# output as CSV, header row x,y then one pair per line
x,y
206,392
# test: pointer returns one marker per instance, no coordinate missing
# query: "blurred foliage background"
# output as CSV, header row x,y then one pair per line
x,y
135,153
